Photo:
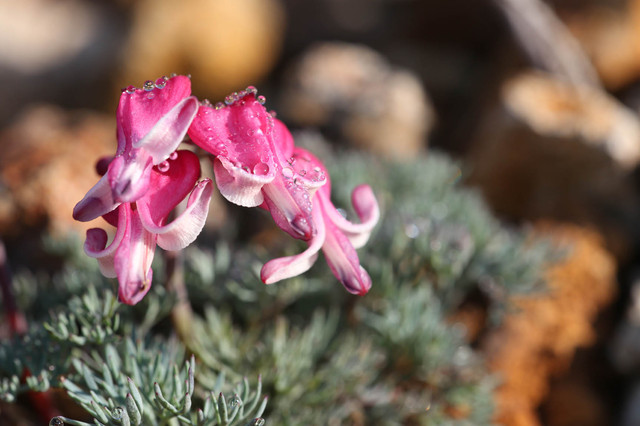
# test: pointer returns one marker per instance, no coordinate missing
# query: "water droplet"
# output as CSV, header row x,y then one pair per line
x,y
164,167
151,96
148,86
261,99
317,169
287,172
251,89
261,169
173,155
245,168
206,103
303,172
235,401
251,132
273,114
56,421
161,82
118,413
259,421
220,145
220,105
411,230
131,90
173,74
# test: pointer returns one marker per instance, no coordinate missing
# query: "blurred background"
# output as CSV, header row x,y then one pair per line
x,y
539,101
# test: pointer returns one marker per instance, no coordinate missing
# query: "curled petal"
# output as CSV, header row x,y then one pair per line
x,y
238,185
165,136
129,176
185,228
290,205
140,110
367,209
132,260
343,259
95,244
96,202
287,267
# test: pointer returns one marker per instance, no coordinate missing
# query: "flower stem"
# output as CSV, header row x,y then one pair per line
x,y
181,313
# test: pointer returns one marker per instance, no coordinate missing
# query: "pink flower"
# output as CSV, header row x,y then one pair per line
x,y
143,224
145,181
252,161
337,237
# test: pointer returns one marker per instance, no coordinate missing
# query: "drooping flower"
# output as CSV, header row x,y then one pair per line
x,y
252,160
151,123
142,224
145,181
336,236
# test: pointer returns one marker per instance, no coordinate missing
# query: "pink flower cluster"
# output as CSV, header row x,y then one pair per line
x,y
255,162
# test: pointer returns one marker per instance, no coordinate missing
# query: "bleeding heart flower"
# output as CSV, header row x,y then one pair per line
x,y
254,163
337,237
142,224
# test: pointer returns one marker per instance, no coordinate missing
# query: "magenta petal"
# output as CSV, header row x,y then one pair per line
x,y
287,267
129,175
240,133
140,110
133,259
170,186
290,206
343,259
237,185
367,209
165,136
185,228
96,202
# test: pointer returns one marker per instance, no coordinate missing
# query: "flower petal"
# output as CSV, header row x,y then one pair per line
x,y
95,244
342,258
309,171
96,202
237,185
185,228
140,110
169,184
283,140
367,209
165,136
129,175
132,260
287,267
240,133
291,207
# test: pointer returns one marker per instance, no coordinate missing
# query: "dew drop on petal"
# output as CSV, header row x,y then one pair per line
x,y
261,99
148,86
161,82
301,226
173,155
287,172
206,103
164,166
261,169
131,90
273,114
150,96
220,105
56,421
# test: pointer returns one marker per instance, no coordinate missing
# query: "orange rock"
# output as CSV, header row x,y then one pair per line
x,y
539,340
225,45
47,165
